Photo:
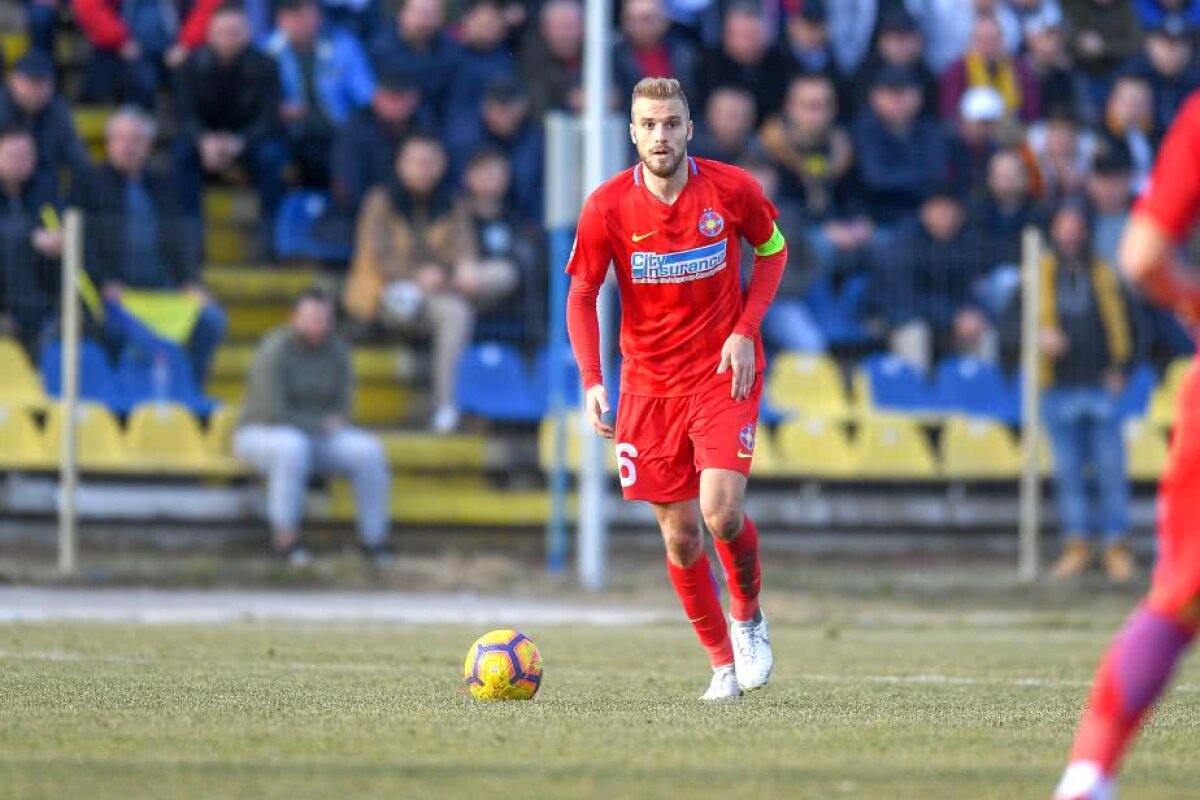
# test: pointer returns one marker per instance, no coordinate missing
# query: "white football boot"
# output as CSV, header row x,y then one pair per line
x,y
1083,780
751,652
724,686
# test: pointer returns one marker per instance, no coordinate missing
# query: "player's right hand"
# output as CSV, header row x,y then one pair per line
x,y
595,401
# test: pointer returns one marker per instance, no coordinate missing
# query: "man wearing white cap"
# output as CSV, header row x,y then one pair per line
x,y
980,113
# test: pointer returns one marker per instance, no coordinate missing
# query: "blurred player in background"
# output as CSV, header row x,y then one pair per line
x,y
693,361
1141,658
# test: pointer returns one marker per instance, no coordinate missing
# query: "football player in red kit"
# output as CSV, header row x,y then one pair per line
x,y
693,360
1141,658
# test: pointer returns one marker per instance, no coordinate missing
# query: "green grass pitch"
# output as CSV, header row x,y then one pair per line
x,y
870,709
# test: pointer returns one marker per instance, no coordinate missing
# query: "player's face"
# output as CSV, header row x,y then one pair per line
x,y
661,130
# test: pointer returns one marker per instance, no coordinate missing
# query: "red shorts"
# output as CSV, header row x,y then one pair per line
x,y
663,443
1176,580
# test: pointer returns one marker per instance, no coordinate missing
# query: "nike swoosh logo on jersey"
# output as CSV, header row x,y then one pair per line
x,y
744,454
637,237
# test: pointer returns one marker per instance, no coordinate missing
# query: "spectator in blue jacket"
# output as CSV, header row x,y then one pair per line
x,y
1167,64
1153,12
418,44
365,148
324,78
481,34
505,123
359,18
924,284
900,154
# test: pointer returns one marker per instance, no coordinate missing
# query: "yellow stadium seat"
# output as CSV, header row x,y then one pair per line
x,y
227,243
978,448
767,462
816,447
165,436
1145,451
14,44
21,444
98,437
90,122
892,446
20,386
218,443
808,385
1166,397
220,430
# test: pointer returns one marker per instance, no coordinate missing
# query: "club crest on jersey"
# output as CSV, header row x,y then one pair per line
x,y
680,267
711,223
746,438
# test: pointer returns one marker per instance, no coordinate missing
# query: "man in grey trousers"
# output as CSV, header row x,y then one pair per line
x,y
294,424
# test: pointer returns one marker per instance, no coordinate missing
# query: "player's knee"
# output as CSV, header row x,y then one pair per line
x,y
684,545
725,523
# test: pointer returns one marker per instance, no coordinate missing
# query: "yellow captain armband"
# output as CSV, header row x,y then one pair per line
x,y
773,245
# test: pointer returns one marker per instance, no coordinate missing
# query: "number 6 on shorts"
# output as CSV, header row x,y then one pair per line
x,y
626,469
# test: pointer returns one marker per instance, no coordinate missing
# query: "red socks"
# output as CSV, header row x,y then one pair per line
x,y
743,574
697,590
1134,673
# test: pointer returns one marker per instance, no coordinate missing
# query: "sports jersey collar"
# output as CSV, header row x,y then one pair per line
x,y
693,167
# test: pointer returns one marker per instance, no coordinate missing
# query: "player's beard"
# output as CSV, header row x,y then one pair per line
x,y
667,172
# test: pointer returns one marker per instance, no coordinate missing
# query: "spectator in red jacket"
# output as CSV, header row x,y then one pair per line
x,y
986,63
136,43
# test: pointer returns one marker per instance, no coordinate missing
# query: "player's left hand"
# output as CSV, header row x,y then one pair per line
x,y
738,355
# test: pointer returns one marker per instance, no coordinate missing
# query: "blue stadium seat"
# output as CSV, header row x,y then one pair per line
x,y
768,414
897,385
136,377
973,387
493,383
839,313
306,228
1135,400
97,383
567,372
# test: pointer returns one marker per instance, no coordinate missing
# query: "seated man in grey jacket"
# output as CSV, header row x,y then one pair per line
x,y
294,423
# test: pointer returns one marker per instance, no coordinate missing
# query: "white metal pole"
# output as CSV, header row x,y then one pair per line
x,y
593,521
1031,481
72,263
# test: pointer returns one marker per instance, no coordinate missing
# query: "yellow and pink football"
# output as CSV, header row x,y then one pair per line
x,y
503,665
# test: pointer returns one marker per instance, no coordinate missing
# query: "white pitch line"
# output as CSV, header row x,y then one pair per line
x,y
916,679
215,607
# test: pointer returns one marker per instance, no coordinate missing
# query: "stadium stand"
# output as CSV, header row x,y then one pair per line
x,y
491,471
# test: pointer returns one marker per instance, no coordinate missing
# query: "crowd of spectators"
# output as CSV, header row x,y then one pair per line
x,y
907,144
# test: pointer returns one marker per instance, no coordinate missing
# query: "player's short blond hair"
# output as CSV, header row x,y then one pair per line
x,y
661,89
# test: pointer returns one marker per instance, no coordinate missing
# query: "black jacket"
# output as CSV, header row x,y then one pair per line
x,y
241,98
58,144
767,81
929,279
364,156
100,194
29,282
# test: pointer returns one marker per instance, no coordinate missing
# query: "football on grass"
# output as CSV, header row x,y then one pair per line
x,y
503,665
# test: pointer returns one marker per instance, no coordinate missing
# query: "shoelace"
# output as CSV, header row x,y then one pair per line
x,y
746,644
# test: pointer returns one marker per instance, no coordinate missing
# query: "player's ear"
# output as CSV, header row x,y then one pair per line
x,y
632,134
691,130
